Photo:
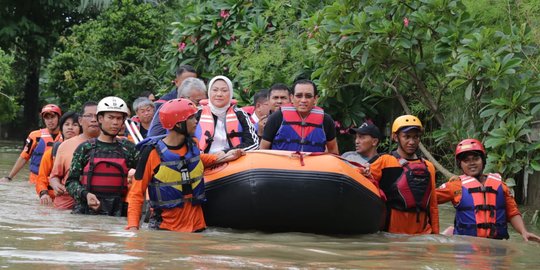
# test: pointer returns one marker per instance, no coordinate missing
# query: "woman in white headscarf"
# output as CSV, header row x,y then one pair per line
x,y
221,125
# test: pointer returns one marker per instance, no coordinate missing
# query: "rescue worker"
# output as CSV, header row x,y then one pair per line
x,y
64,155
171,168
483,202
99,169
408,181
69,128
37,143
222,126
301,126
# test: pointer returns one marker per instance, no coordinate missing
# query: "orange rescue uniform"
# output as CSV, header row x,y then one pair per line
x,y
403,221
188,218
45,168
451,192
30,146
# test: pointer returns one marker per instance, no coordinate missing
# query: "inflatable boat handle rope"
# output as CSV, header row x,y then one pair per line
x,y
301,156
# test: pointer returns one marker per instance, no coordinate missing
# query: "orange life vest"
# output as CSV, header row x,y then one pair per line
x,y
206,127
482,209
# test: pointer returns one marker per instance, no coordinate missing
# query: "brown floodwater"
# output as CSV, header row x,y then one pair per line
x,y
40,237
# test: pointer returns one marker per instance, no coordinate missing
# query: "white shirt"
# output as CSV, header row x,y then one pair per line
x,y
220,142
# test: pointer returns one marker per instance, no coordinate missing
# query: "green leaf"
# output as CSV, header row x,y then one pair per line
x,y
365,57
355,51
468,91
535,109
535,165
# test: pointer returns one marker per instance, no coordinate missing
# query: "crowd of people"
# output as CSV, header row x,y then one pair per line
x,y
88,163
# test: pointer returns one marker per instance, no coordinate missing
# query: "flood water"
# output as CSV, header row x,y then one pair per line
x,y
39,237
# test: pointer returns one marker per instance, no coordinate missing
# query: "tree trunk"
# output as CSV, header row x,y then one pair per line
x,y
533,190
31,90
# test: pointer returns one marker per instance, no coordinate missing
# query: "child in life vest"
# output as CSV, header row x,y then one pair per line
x,y
483,202
171,168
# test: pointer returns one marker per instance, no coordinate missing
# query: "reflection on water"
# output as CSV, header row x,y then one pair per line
x,y
34,236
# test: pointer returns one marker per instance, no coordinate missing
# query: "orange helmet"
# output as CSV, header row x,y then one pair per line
x,y
175,111
406,121
51,108
470,145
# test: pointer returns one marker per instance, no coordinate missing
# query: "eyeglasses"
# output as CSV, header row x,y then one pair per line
x,y
300,95
89,116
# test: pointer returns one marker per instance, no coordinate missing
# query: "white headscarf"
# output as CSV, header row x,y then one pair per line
x,y
220,112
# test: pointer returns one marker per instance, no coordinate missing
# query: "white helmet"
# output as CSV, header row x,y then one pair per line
x,y
112,104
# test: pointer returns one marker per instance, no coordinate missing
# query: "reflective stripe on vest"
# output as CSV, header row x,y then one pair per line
x,y
482,209
106,171
178,179
43,144
297,134
205,128
412,189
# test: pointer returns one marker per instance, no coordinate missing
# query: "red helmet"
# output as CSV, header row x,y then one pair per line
x,y
51,108
470,145
176,110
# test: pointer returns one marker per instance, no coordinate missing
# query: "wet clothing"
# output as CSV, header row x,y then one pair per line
x,y
111,203
386,170
274,126
493,209
248,137
185,218
30,146
60,169
45,167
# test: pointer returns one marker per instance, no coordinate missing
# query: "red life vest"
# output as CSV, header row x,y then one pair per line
x,y
411,191
205,129
482,209
106,171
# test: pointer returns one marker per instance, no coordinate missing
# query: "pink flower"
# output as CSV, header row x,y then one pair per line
x,y
406,22
181,46
229,42
216,41
224,14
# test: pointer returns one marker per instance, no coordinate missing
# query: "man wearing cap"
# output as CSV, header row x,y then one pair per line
x,y
408,181
37,143
366,142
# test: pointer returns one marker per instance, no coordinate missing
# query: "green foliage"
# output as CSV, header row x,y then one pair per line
x,y
466,79
117,54
254,42
9,107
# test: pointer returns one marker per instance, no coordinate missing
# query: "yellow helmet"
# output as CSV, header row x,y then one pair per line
x,y
406,121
